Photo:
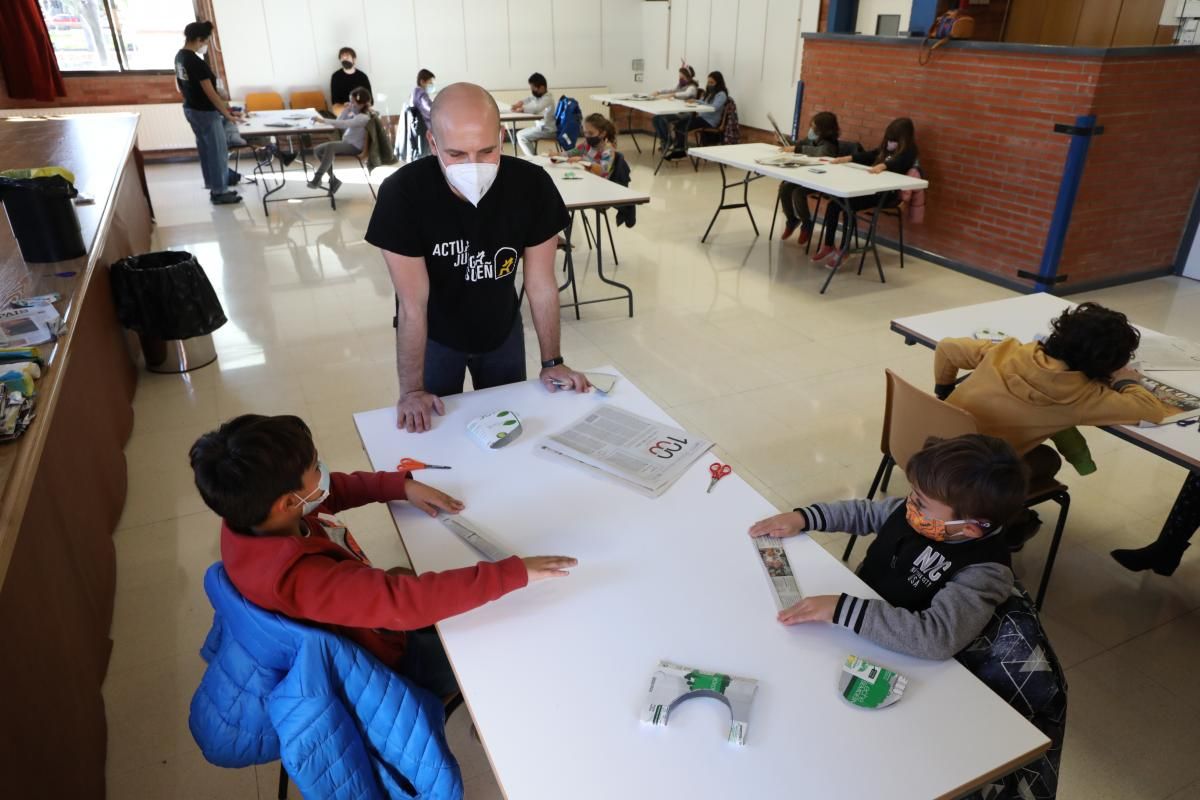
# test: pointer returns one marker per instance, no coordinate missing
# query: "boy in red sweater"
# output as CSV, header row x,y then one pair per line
x,y
285,552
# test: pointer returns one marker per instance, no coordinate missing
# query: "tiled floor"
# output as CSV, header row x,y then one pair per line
x,y
734,340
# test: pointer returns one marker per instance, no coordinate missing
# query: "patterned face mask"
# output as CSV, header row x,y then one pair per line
x,y
936,529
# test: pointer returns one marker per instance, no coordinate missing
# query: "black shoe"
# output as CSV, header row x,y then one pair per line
x,y
1160,556
287,157
334,185
228,198
1023,528
675,155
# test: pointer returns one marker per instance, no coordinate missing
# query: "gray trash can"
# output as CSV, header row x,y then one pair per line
x,y
166,298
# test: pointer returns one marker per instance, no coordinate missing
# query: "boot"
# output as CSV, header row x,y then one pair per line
x,y
1161,556
1022,529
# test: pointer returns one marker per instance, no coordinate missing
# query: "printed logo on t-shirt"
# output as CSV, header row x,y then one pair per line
x,y
927,568
477,266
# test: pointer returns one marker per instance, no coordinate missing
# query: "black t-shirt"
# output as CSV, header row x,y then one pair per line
x,y
471,253
190,70
341,84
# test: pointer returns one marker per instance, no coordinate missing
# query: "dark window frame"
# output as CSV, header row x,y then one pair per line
x,y
118,46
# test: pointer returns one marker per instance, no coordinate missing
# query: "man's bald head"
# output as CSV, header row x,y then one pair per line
x,y
463,105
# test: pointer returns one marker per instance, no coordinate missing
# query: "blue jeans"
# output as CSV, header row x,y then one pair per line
x,y
446,368
662,123
211,146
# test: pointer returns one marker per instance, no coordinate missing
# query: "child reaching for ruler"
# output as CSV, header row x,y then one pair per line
x,y
939,562
285,552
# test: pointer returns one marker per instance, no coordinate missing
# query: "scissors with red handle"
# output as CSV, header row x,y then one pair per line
x,y
410,464
718,471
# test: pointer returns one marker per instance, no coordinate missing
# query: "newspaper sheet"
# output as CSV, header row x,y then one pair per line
x,y
1167,353
779,571
640,453
25,327
1182,404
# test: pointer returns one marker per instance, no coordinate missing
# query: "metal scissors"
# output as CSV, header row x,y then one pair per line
x,y
1183,423
410,464
718,471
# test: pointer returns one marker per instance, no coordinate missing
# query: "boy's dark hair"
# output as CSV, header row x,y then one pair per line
x,y
825,124
980,477
424,75
197,30
1092,339
349,50
243,466
537,79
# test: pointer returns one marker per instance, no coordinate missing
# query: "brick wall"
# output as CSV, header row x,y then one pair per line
x,y
103,90
984,125
1141,173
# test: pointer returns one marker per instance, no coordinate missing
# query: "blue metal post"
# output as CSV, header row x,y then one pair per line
x,y
842,16
795,132
922,16
1081,137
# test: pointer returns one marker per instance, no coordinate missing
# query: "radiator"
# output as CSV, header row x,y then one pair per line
x,y
162,125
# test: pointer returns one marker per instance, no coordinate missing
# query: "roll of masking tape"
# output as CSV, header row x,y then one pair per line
x,y
495,430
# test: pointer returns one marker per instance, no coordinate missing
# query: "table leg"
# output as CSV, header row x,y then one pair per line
x,y
870,245
512,135
600,264
633,136
848,212
722,206
569,264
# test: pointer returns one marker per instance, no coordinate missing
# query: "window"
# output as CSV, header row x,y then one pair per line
x,y
116,35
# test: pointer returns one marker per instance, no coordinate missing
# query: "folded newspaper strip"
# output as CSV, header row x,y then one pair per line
x,y
639,453
469,534
1180,404
671,684
779,570
868,685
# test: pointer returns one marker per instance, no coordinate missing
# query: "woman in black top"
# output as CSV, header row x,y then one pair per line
x,y
822,140
897,152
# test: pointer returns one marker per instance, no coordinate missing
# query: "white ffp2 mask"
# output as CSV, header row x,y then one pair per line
x,y
472,179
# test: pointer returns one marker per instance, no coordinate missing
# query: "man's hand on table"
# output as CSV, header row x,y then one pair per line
x,y
431,500
415,409
564,375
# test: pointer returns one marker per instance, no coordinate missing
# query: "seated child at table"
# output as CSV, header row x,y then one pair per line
x,y
600,146
822,140
352,122
1026,393
938,562
285,552
897,152
686,89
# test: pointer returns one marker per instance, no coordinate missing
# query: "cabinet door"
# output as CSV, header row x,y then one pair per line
x,y
1097,21
1138,23
1061,22
1025,19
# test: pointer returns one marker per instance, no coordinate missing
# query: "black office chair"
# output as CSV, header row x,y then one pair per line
x,y
844,149
621,174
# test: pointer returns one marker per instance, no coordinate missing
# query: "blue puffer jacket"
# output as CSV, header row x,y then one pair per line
x,y
347,727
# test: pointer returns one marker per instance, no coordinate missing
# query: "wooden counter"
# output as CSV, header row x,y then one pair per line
x,y
64,481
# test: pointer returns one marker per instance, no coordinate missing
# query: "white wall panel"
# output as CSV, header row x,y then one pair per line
x,y
392,43
577,42
699,23
531,37
723,36
337,24
441,38
487,38
293,56
242,32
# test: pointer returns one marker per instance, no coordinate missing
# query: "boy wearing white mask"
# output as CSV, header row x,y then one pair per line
x,y
206,111
285,551
453,230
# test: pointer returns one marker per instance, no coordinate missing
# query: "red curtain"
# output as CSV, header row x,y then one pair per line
x,y
26,55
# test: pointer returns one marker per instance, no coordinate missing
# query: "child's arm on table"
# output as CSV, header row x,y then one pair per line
x,y
955,617
354,489
857,517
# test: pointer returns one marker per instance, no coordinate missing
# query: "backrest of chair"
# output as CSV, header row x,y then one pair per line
x,y
264,101
621,173
309,98
912,416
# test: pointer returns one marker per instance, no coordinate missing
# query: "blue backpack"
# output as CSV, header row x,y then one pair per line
x,y
568,122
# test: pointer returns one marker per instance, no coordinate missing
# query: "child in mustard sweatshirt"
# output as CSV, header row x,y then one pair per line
x,y
1026,393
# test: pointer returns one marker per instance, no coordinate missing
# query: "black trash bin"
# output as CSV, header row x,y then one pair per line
x,y
166,298
41,213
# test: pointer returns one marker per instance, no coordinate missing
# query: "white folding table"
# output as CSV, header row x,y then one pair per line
x,y
510,118
840,182
654,106
583,192
555,675
1025,316
297,122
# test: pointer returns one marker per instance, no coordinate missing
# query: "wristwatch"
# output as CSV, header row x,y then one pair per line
x,y
554,362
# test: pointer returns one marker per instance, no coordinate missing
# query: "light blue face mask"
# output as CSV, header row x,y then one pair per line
x,y
322,492
812,134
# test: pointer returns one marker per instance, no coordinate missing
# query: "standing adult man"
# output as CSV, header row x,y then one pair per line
x,y
453,230
540,101
206,112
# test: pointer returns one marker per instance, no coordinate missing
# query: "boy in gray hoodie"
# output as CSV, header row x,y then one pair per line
x,y
938,562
